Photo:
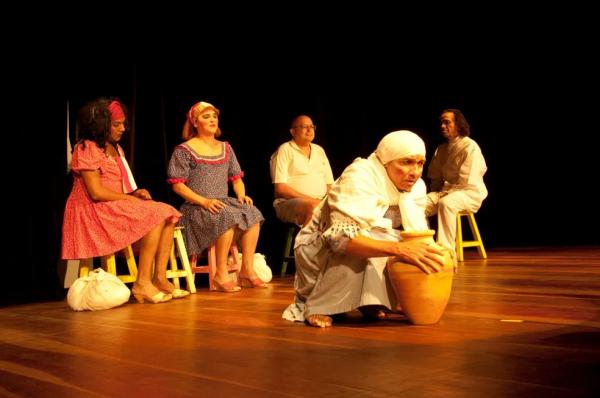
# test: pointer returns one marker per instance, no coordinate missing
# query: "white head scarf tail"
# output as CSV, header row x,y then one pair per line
x,y
402,144
412,207
399,144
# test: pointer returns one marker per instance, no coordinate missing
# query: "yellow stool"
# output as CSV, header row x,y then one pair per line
x,y
175,273
288,250
476,242
110,265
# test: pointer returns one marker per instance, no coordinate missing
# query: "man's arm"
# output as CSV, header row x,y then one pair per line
x,y
283,190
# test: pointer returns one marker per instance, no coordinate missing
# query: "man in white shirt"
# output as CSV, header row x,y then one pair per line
x,y
301,174
456,174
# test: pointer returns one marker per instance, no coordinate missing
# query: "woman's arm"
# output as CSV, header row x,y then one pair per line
x,y
283,190
429,258
212,205
240,190
97,191
141,193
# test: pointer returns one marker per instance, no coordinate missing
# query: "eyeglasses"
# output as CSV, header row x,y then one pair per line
x,y
306,127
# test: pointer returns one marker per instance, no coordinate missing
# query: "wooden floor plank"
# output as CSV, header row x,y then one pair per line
x,y
521,323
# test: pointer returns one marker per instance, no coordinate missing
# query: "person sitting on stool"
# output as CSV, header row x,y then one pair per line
x,y
301,174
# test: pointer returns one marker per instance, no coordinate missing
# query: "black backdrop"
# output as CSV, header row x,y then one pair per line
x,y
533,109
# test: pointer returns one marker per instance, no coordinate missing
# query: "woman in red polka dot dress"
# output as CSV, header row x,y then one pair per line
x,y
105,213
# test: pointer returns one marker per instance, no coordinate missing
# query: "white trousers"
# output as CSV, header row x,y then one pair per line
x,y
447,205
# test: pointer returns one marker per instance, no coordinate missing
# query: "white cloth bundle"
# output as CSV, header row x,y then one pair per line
x,y
97,291
262,269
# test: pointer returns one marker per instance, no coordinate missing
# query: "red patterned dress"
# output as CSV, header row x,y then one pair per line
x,y
96,228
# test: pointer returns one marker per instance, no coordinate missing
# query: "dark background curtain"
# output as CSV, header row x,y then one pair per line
x,y
532,109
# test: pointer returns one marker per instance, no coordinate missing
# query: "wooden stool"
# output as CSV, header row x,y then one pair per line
x,y
210,267
175,273
110,265
288,249
476,242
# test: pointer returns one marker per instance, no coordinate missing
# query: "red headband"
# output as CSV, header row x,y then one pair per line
x,y
116,111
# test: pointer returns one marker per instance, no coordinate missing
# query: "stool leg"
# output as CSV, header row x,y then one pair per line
x,y
459,239
173,267
109,264
183,256
286,252
477,236
85,266
236,265
131,264
212,266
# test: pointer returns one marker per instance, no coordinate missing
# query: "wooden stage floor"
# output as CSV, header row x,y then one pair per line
x,y
524,323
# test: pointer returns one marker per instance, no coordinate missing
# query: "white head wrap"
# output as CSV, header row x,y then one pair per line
x,y
399,144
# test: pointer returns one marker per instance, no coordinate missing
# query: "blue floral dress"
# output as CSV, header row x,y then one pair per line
x,y
209,176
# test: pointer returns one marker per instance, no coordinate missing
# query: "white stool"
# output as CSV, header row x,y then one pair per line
x,y
175,273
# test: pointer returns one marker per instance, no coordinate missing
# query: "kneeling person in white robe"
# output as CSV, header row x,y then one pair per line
x,y
342,252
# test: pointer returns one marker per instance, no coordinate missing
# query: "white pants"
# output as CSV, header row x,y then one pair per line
x,y
447,205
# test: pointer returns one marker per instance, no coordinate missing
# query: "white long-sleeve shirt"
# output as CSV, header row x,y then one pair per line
x,y
458,165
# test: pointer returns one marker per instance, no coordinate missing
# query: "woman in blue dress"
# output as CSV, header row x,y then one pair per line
x,y
199,171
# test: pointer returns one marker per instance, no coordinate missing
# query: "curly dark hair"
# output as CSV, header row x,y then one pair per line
x,y
93,120
461,122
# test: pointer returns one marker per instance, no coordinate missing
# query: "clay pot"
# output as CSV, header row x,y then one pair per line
x,y
423,297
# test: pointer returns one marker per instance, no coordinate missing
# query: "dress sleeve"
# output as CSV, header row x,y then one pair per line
x,y
235,171
473,166
341,231
356,205
179,166
86,156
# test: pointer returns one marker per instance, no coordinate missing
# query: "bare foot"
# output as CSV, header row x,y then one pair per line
x,y
319,321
